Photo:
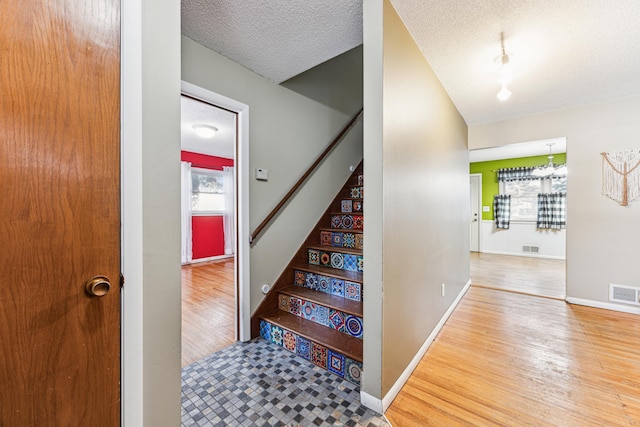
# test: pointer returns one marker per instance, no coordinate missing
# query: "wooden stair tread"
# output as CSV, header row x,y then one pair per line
x,y
330,338
343,230
351,251
337,303
355,199
352,276
347,213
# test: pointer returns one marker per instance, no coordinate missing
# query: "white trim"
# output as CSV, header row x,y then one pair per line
x,y
524,255
211,258
479,175
242,167
603,305
381,406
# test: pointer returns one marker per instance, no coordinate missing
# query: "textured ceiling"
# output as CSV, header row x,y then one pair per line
x,y
196,112
565,52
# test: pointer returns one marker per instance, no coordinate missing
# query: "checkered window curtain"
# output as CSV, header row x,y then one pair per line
x,y
552,211
502,210
516,174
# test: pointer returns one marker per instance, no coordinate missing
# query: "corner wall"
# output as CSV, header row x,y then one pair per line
x,y
603,238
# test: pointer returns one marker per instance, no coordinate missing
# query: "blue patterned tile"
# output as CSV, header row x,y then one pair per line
x,y
276,335
337,260
322,315
337,287
353,326
335,363
312,281
308,310
350,262
348,240
303,348
336,320
352,291
346,206
360,263
347,221
324,284
352,371
265,330
314,257
336,239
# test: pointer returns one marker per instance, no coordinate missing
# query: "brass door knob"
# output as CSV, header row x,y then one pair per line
x,y
97,286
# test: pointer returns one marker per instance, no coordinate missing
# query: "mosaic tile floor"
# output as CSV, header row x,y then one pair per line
x,y
261,384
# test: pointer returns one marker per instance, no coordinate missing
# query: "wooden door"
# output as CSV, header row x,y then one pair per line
x,y
59,212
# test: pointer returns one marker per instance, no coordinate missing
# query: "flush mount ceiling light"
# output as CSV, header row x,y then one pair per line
x,y
550,169
505,75
205,131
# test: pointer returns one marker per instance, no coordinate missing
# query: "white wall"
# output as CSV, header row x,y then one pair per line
x,y
551,243
603,238
287,131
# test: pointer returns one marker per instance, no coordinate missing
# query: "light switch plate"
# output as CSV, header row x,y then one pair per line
x,y
486,209
262,174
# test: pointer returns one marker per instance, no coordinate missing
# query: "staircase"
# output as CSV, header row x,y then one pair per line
x,y
318,311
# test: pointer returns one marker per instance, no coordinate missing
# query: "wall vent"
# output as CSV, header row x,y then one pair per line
x,y
624,294
527,249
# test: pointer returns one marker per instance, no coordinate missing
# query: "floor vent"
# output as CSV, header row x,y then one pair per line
x,y
530,249
624,294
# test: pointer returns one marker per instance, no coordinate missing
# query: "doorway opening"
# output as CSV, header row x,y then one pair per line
x,y
524,254
214,222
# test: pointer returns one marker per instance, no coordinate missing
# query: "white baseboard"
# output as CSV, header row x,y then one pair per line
x,y
604,305
381,405
211,258
523,255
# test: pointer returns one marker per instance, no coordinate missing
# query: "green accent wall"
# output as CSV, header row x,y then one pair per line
x,y
490,178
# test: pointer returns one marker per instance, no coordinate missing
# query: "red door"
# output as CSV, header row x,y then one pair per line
x,y
59,212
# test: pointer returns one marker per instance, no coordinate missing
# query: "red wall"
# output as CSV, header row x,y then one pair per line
x,y
207,231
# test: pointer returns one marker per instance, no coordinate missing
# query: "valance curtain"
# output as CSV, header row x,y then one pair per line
x,y
502,210
229,218
552,211
516,174
185,210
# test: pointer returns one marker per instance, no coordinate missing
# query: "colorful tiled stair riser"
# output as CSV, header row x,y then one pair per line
x,y
323,357
337,287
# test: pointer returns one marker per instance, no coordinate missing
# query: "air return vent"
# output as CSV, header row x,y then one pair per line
x,y
527,249
624,294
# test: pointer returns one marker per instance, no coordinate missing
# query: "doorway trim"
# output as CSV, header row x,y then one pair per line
x,y
479,175
242,273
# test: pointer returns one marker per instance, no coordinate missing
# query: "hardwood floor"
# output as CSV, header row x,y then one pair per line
x,y
208,308
517,360
528,275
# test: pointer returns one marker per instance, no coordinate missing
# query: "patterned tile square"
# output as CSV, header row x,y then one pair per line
x,y
289,341
360,179
358,222
324,284
359,240
295,306
308,310
314,257
336,320
352,371
322,315
350,262
347,221
276,335
335,363
336,239
283,302
325,258
303,347
319,355
325,238
300,278
360,263
346,206
265,330
348,240
357,206
337,260
355,192
336,221
337,287
362,192
352,290
312,281
353,326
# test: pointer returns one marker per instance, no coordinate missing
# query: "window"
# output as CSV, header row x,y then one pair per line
x,y
207,191
524,195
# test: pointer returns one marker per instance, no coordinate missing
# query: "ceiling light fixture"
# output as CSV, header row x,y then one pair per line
x,y
550,169
205,131
505,75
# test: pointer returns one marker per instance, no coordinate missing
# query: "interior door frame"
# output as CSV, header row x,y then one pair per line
x,y
479,176
241,162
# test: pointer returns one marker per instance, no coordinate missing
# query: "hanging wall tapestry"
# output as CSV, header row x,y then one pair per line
x,y
621,175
